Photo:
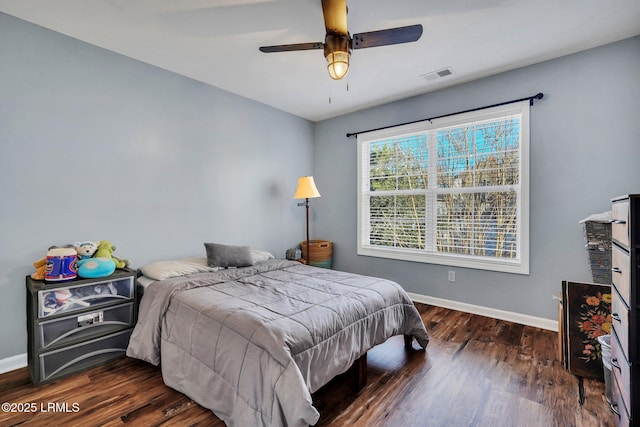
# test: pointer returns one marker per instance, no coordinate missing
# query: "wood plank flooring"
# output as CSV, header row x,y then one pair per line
x,y
477,371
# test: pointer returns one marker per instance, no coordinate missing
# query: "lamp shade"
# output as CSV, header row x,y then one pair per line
x,y
306,188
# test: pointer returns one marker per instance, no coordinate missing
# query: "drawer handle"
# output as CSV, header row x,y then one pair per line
x,y
616,270
617,221
613,406
616,317
615,364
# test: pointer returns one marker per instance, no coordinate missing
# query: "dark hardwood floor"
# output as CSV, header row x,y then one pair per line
x,y
477,371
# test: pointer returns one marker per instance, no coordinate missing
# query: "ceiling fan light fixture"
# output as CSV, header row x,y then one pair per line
x,y
338,64
337,50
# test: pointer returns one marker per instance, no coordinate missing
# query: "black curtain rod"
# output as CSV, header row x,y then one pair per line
x,y
530,98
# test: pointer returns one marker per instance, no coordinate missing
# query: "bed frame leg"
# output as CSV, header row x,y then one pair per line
x,y
360,379
408,342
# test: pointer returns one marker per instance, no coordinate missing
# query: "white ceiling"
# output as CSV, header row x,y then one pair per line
x,y
216,42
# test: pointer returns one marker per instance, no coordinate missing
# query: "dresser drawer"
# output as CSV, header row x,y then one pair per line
x,y
617,406
620,272
621,370
620,321
85,325
75,358
73,298
620,222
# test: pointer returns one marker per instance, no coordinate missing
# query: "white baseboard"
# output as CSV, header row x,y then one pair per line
x,y
523,319
14,362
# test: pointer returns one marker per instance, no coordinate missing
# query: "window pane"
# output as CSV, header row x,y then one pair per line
x,y
496,232
398,164
497,153
479,155
412,162
454,159
397,221
410,222
381,220
382,166
455,223
483,224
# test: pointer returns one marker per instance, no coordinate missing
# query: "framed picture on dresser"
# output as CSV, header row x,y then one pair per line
x,y
586,311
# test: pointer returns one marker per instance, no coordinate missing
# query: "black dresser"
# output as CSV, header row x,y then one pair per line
x,y
625,355
79,324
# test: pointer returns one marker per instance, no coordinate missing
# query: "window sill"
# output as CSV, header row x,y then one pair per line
x,y
479,263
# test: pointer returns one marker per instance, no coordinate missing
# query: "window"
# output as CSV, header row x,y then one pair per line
x,y
450,191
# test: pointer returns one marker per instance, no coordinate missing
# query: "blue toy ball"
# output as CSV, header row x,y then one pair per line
x,y
91,268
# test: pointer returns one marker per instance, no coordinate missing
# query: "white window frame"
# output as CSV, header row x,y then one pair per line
x,y
518,265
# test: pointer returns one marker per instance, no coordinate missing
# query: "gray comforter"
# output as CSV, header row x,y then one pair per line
x,y
253,343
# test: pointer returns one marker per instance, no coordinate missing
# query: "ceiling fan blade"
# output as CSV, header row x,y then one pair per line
x,y
291,47
335,16
387,37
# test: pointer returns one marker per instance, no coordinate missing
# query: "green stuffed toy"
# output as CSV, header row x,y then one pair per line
x,y
105,250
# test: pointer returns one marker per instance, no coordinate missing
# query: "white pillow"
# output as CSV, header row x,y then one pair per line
x,y
161,270
259,255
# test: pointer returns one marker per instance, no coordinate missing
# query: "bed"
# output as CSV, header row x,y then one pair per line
x,y
252,343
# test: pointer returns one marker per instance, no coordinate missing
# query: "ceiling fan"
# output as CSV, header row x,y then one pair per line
x,y
338,42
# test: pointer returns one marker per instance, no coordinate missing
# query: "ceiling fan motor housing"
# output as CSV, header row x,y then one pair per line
x,y
337,42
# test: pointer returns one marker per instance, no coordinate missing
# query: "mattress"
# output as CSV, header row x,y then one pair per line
x,y
144,281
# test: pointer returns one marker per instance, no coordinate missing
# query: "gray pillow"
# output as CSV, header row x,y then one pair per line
x,y
224,256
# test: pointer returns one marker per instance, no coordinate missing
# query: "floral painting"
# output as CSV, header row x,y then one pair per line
x,y
594,321
587,315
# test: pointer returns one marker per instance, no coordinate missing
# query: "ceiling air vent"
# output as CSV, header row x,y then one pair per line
x,y
434,75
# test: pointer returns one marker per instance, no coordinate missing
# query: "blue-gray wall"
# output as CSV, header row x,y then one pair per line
x,y
585,149
94,145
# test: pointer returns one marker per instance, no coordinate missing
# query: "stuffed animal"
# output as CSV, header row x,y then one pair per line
x,y
105,250
58,266
40,266
61,264
91,268
86,249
